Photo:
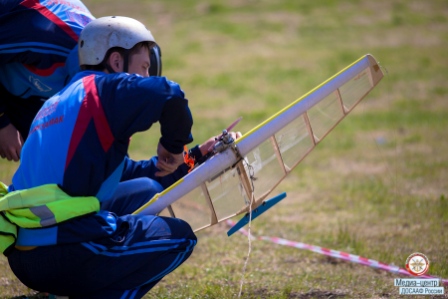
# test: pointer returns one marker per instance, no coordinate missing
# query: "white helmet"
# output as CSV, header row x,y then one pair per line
x,y
105,33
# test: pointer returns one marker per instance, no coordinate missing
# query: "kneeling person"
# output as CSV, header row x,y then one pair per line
x,y
79,238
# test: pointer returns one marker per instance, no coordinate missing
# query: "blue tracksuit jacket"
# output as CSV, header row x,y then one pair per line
x,y
38,52
36,39
80,137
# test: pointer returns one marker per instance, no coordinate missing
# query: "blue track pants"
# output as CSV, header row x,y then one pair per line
x,y
127,265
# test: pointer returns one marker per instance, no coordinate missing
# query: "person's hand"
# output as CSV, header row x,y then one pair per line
x,y
10,143
167,162
207,146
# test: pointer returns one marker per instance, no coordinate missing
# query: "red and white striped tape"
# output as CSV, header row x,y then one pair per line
x,y
338,254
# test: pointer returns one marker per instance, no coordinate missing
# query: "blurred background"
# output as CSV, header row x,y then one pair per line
x,y
376,186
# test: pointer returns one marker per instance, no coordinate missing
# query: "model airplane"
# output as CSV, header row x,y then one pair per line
x,y
243,172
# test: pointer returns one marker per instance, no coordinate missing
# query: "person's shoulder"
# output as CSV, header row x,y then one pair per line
x,y
142,82
157,80
83,74
164,86
137,85
6,6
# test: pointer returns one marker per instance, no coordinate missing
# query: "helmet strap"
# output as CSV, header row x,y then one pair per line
x,y
109,69
126,61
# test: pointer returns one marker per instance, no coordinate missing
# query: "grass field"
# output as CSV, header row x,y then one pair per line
x,y
375,187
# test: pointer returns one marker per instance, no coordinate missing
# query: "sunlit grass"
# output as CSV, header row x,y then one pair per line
x,y
375,186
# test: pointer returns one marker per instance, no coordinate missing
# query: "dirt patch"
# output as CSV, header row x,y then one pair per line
x,y
315,294
318,294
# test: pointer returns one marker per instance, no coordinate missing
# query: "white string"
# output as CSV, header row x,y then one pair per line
x,y
249,236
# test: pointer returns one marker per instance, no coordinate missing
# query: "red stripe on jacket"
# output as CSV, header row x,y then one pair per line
x,y
91,108
34,4
44,72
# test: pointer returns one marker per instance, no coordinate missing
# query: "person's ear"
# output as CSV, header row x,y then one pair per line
x,y
116,62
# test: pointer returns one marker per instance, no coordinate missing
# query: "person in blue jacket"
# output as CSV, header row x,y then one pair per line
x,y
78,143
38,57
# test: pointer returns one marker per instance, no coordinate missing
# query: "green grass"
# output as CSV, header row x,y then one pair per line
x,y
375,187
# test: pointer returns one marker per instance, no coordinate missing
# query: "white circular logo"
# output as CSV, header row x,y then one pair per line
x,y
417,264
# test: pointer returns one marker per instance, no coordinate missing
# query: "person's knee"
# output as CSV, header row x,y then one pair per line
x,y
143,186
189,231
131,195
180,228
147,184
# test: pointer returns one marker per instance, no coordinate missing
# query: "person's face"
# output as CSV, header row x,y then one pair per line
x,y
139,62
